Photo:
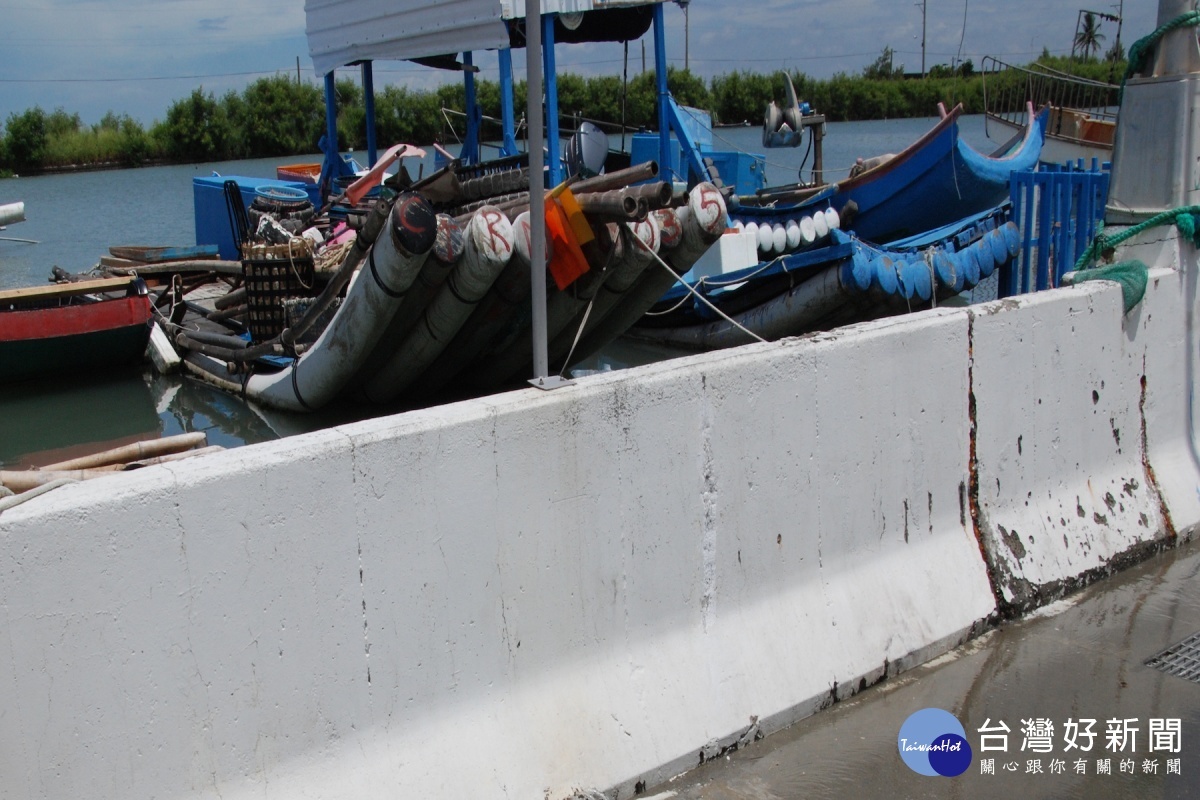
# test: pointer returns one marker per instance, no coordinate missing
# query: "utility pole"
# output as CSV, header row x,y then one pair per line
x,y
924,6
687,36
1120,19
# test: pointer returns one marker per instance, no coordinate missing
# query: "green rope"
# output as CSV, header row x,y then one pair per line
x,y
1133,275
1139,52
1185,219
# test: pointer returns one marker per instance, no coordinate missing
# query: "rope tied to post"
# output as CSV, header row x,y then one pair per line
x,y
1139,51
1132,275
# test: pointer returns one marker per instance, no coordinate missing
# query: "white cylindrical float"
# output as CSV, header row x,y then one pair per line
x,y
489,246
371,301
808,231
12,213
832,219
820,225
793,234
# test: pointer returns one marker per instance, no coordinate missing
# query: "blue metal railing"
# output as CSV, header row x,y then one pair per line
x,y
1057,209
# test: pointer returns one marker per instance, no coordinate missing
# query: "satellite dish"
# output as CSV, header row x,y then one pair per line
x,y
571,20
587,151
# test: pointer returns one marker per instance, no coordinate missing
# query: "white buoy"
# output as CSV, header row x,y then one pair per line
x,y
778,239
766,238
739,226
793,234
808,231
752,229
832,219
820,225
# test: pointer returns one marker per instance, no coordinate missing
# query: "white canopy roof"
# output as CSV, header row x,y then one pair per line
x,y
344,31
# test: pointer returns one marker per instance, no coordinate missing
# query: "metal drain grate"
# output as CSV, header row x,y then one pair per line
x,y
1181,660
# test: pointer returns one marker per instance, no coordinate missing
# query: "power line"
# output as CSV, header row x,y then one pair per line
x,y
425,70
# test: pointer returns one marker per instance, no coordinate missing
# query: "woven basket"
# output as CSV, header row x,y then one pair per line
x,y
274,273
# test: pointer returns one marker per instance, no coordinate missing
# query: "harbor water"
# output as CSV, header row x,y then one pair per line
x,y
76,217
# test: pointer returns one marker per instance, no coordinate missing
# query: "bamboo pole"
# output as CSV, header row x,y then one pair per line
x,y
171,457
24,480
132,452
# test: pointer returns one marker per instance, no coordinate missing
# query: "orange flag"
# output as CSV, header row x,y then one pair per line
x,y
568,230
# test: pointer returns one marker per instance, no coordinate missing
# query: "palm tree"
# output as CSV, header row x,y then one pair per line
x,y
1088,38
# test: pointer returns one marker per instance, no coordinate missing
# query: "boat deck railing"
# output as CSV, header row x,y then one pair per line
x,y
1057,209
1083,110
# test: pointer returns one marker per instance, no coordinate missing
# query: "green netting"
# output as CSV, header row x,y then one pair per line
x,y
1131,275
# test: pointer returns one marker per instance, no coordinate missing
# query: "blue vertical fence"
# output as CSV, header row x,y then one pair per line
x,y
1057,209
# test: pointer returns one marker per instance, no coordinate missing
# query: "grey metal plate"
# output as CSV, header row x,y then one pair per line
x,y
1181,660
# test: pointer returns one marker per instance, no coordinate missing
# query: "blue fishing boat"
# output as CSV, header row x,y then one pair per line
x,y
933,182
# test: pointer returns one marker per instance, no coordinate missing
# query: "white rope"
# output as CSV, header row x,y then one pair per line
x,y
578,334
928,254
23,497
675,307
699,296
709,281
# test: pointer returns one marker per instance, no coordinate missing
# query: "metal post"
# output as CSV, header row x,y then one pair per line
x,y
470,148
507,116
368,82
665,163
552,140
330,167
537,210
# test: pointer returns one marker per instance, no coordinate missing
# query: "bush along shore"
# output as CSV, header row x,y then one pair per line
x,y
278,116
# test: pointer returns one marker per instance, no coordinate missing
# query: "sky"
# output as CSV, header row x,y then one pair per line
x,y
136,57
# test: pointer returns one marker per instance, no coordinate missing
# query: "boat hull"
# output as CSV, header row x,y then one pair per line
x,y
935,181
73,338
1056,149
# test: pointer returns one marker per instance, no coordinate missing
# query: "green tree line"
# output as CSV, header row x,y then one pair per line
x,y
279,117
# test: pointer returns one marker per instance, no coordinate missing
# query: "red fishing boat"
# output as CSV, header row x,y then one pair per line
x,y
72,327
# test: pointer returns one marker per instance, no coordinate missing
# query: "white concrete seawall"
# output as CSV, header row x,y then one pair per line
x,y
594,588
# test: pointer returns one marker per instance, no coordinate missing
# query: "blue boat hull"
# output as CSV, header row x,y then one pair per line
x,y
932,183
936,181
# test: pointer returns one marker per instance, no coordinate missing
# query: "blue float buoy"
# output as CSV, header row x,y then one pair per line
x,y
885,274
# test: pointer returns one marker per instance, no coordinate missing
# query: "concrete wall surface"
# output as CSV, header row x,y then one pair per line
x,y
534,593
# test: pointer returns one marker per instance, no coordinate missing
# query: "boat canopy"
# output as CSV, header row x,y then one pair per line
x,y
347,31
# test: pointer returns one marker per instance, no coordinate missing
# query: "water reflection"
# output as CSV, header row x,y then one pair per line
x,y
49,420
55,419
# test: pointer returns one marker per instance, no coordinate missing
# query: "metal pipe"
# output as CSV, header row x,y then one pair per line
x,y
660,71
620,179
551,77
537,211
470,146
329,170
368,82
507,117
610,204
